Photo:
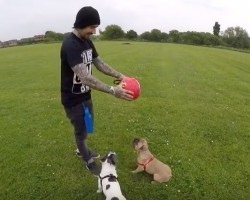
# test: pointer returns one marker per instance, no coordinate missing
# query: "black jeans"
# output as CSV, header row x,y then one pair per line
x,y
76,117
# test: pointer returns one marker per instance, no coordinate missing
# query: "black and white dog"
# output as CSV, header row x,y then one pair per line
x,y
107,181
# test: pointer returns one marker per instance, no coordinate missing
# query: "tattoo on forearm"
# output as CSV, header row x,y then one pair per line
x,y
87,79
106,69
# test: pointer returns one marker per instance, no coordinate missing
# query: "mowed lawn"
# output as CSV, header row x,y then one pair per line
x,y
194,110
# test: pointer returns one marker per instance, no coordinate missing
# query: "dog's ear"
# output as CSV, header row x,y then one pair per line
x,y
104,158
112,159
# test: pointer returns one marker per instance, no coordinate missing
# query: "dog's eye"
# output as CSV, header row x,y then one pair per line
x,y
136,140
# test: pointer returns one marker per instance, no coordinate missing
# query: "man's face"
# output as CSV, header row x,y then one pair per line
x,y
85,33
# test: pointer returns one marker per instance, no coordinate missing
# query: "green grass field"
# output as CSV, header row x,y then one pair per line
x,y
194,110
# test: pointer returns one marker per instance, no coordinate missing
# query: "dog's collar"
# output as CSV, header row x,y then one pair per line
x,y
145,165
107,176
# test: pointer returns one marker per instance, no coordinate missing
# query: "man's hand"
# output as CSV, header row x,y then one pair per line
x,y
122,77
121,93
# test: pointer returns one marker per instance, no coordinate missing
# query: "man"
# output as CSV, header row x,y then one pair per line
x,y
77,54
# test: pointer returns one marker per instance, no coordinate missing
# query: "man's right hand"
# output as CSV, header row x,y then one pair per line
x,y
121,93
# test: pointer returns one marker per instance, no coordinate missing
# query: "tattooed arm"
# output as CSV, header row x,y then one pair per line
x,y
87,79
104,68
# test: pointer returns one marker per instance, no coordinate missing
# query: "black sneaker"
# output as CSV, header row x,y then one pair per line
x,y
93,154
94,168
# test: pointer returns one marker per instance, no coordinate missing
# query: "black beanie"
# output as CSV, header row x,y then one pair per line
x,y
87,16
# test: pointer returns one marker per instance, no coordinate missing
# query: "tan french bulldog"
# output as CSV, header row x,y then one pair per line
x,y
147,162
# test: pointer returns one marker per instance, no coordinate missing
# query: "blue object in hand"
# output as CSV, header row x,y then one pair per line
x,y
88,120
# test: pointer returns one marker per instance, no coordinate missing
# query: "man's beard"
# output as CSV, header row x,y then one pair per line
x,y
86,36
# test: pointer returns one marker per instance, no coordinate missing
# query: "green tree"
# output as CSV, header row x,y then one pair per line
x,y
192,37
113,32
174,36
131,34
53,36
236,37
155,35
216,29
210,39
164,37
200,38
146,36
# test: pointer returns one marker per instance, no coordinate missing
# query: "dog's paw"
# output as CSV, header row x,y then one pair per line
x,y
98,191
134,171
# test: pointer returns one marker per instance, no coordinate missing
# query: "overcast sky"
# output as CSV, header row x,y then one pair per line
x,y
26,18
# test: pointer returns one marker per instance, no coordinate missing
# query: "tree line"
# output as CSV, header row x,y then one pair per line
x,y
235,37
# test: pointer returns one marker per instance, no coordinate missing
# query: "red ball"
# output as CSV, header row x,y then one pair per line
x,y
133,85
